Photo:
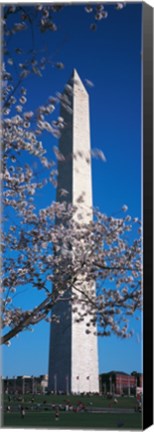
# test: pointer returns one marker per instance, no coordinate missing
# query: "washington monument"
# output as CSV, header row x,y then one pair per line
x,y
73,356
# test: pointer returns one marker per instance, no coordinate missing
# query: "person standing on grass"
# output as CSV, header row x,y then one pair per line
x,y
57,414
22,412
8,408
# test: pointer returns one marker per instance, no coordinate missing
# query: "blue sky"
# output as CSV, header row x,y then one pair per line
x,y
111,58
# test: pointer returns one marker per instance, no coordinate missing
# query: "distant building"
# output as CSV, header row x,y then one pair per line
x,y
139,378
118,383
25,384
113,382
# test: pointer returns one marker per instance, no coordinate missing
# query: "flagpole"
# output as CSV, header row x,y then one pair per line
x,y
120,387
67,385
110,384
88,378
129,387
23,385
32,384
14,383
78,386
7,385
55,384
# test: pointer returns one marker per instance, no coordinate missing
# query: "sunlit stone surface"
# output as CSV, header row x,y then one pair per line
x,y
73,356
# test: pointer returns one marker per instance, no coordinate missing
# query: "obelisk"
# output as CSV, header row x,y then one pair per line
x,y
73,354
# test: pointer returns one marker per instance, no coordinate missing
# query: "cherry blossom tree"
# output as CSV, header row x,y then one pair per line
x,y
70,255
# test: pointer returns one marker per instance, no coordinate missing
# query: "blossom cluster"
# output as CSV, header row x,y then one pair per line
x,y
95,267
74,256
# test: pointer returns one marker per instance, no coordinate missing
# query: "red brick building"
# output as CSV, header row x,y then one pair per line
x,y
124,383
118,383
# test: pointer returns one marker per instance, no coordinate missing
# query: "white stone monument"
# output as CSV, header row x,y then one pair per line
x,y
73,356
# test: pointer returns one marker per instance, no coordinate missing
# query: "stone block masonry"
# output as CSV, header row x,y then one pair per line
x,y
73,355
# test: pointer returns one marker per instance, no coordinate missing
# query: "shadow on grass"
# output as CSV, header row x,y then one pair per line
x,y
74,420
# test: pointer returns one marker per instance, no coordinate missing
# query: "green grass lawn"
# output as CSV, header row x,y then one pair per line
x,y
73,420
44,418
95,401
